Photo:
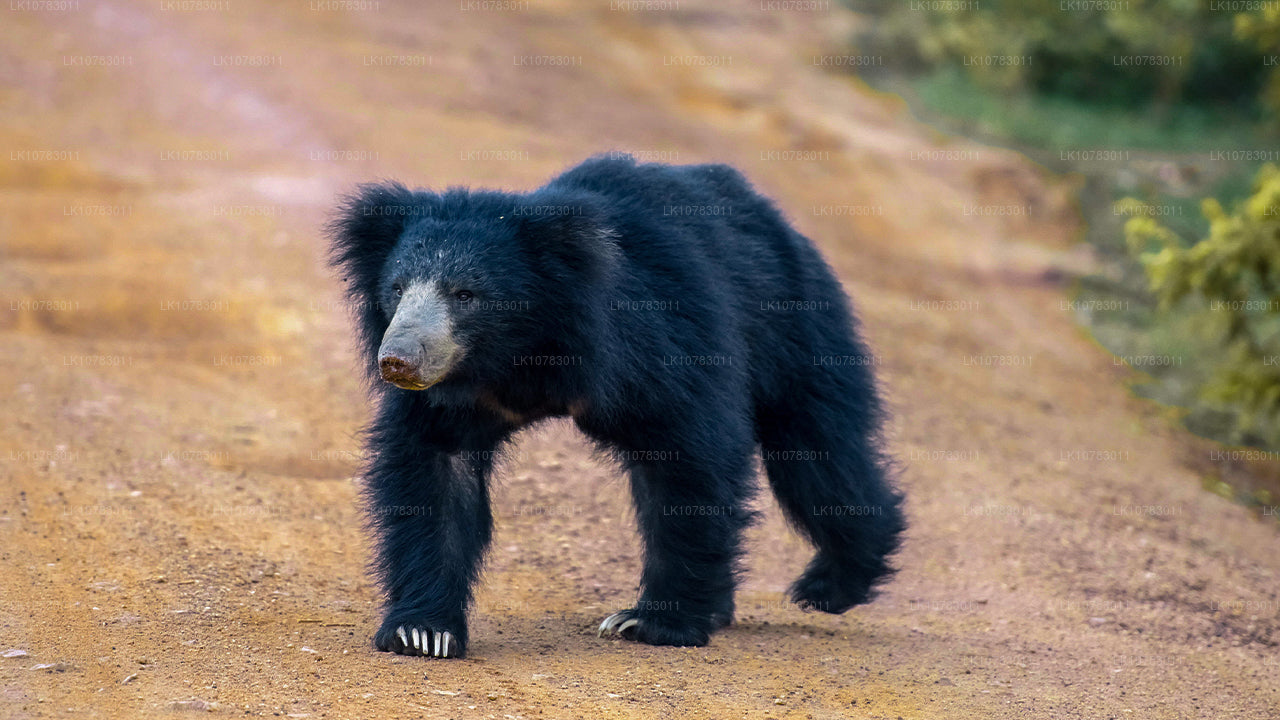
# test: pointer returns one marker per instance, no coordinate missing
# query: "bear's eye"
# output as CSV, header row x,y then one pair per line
x,y
464,295
399,291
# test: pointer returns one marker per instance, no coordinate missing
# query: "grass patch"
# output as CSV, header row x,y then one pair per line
x,y
949,97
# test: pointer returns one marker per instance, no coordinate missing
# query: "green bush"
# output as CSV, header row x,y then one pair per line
x,y
1231,280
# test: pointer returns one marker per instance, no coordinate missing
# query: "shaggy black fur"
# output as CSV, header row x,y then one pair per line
x,y
681,322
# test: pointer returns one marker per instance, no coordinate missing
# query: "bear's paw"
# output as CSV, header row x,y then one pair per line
x,y
629,624
409,638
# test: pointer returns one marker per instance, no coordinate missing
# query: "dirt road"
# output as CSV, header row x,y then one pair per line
x,y
178,524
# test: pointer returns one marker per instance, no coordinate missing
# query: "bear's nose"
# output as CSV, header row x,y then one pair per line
x,y
392,365
400,371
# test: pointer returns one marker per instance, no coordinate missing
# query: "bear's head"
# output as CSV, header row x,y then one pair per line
x,y
452,286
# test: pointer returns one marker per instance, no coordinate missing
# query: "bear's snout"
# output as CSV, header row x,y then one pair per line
x,y
416,370
418,349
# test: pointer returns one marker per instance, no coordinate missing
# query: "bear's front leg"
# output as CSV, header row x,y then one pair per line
x,y
429,507
434,523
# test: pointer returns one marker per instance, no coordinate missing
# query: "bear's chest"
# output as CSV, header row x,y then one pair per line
x,y
519,410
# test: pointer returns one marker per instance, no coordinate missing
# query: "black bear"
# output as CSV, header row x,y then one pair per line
x,y
681,322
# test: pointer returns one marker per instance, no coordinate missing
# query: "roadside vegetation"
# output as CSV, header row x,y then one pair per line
x,y
1169,115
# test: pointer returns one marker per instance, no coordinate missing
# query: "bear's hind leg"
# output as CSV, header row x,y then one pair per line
x,y
821,453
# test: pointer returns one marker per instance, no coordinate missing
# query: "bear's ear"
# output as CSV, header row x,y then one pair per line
x,y
362,233
366,227
568,234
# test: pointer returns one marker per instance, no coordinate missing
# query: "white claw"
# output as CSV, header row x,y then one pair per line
x,y
630,623
447,638
404,640
417,642
604,626
610,624
435,652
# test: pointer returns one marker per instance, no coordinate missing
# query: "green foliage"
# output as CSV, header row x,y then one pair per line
x,y
1132,54
1231,279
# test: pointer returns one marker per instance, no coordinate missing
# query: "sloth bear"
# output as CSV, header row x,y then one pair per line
x,y
681,322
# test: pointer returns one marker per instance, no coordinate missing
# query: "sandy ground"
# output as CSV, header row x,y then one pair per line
x,y
178,520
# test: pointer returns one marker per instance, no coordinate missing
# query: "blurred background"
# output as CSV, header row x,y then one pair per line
x,y
1166,115
1059,221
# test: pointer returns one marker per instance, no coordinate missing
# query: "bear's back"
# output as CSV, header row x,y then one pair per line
x,y
701,234
706,217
